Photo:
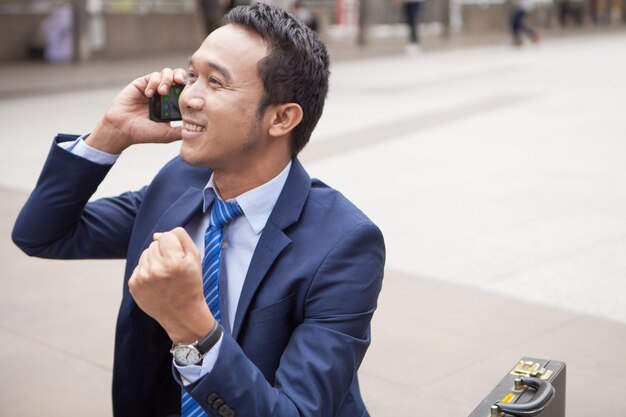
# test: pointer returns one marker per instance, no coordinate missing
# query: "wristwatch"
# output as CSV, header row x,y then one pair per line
x,y
192,354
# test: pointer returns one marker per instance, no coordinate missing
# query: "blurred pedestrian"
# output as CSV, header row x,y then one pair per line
x,y
519,25
411,10
302,12
570,10
57,33
213,11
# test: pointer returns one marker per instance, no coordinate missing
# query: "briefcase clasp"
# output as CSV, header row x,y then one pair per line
x,y
531,369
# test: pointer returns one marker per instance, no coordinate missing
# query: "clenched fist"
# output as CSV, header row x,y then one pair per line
x,y
167,285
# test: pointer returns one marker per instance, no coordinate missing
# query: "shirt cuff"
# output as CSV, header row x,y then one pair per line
x,y
192,373
80,148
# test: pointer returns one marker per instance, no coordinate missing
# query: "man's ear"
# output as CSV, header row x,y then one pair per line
x,y
284,118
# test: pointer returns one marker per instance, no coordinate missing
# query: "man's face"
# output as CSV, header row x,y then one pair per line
x,y
221,128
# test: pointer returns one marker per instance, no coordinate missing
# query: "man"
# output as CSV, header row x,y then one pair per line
x,y
519,24
411,10
299,268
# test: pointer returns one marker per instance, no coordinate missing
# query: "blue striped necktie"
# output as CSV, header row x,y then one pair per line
x,y
223,212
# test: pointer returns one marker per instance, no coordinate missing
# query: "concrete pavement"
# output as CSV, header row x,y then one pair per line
x,y
496,175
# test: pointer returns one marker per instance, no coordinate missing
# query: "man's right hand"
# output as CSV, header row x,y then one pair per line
x,y
126,122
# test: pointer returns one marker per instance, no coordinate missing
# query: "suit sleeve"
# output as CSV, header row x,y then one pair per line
x,y
324,352
57,220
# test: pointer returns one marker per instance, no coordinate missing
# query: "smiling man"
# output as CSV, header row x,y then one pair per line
x,y
249,287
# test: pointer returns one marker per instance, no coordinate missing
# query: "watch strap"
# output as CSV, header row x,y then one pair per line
x,y
207,342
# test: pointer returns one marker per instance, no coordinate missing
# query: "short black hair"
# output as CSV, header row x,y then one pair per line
x,y
295,69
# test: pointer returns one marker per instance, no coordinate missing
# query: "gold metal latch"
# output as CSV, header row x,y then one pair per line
x,y
531,369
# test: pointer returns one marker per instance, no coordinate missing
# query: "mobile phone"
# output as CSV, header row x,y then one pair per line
x,y
164,108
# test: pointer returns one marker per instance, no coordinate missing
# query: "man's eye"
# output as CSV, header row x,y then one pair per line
x,y
213,80
191,77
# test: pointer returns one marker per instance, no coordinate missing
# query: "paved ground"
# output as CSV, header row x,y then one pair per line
x,y
497,176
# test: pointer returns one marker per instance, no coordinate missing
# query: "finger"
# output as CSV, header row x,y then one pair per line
x,y
141,83
133,277
167,79
153,254
132,281
186,242
180,75
169,246
154,79
144,263
137,276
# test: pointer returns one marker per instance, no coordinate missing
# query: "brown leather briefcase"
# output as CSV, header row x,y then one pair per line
x,y
534,387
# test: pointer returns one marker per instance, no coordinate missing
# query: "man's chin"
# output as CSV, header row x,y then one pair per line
x,y
193,159
188,157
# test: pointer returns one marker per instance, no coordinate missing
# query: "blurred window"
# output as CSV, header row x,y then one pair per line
x,y
112,6
488,2
25,6
149,6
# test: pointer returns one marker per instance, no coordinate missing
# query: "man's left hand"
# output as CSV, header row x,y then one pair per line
x,y
167,285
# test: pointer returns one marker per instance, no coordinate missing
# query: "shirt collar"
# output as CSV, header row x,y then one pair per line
x,y
258,203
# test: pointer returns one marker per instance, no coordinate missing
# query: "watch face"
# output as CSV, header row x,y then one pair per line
x,y
186,355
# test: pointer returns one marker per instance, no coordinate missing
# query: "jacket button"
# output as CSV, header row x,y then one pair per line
x,y
217,403
211,398
226,411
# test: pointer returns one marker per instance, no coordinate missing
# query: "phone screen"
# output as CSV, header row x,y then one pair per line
x,y
164,108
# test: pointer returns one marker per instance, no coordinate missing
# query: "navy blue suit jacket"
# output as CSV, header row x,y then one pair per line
x,y
302,322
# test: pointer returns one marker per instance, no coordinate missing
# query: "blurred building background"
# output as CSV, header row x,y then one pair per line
x,y
124,28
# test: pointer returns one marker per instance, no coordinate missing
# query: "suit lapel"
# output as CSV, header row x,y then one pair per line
x,y
179,213
273,240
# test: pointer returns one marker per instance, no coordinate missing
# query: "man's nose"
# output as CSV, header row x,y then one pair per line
x,y
195,103
191,100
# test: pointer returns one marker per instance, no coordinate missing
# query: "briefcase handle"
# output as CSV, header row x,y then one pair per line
x,y
543,396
